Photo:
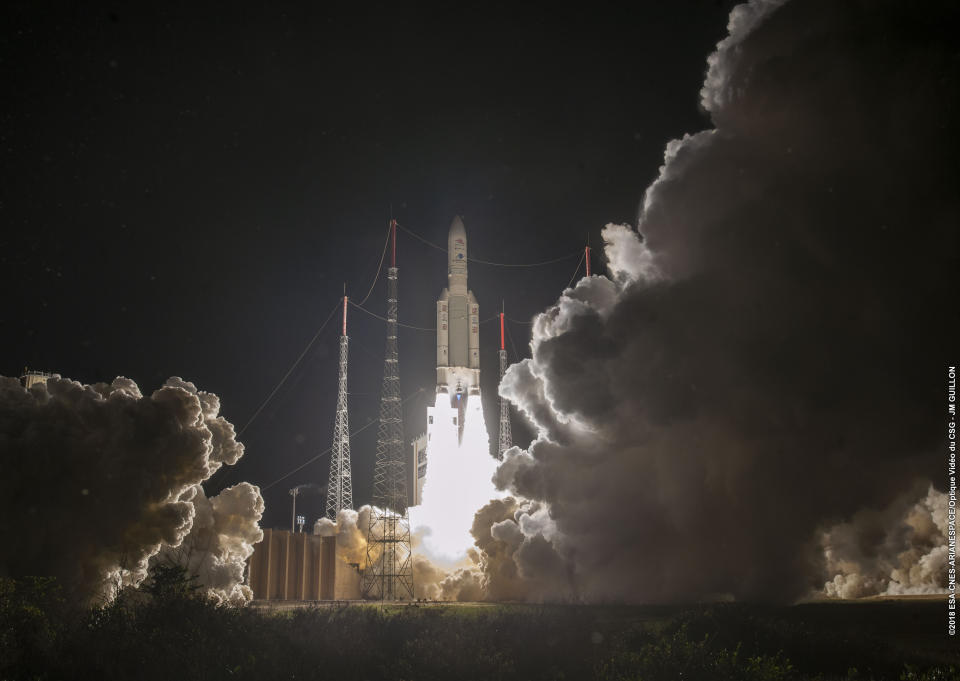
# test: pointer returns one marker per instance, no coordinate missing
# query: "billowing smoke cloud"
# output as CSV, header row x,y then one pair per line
x,y
894,551
351,532
517,555
225,528
767,361
99,479
431,581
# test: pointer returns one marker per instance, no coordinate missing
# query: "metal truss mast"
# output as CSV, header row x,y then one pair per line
x,y
340,481
506,437
388,573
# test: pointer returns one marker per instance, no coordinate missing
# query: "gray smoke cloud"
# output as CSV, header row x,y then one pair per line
x,y
762,374
899,550
99,480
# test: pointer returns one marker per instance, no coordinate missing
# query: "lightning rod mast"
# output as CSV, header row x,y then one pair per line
x,y
506,438
340,482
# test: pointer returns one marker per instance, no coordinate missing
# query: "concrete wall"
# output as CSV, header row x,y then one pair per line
x,y
300,567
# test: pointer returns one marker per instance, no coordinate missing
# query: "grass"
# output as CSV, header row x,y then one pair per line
x,y
176,634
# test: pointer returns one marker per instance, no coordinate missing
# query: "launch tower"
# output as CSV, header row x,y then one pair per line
x,y
340,481
388,573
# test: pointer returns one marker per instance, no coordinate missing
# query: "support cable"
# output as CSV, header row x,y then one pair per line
x,y
510,338
290,370
409,326
329,449
384,319
517,321
488,262
379,268
580,262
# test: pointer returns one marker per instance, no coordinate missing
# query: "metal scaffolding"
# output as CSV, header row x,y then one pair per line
x,y
340,481
388,573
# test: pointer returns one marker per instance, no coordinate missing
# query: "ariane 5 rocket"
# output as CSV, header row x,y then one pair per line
x,y
458,326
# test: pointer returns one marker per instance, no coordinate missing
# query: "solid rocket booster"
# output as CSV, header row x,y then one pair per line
x,y
458,324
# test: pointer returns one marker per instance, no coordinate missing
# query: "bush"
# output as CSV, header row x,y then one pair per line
x,y
33,619
676,656
168,631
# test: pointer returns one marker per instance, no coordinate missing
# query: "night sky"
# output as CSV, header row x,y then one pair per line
x,y
185,192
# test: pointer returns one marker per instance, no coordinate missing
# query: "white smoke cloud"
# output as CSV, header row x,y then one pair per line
x,y
350,530
111,478
900,550
431,580
225,528
765,359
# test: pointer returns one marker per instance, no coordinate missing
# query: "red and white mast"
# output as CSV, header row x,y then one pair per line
x,y
506,437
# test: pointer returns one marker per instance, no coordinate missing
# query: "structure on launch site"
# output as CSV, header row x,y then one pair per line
x,y
418,464
506,437
31,377
388,573
340,481
299,566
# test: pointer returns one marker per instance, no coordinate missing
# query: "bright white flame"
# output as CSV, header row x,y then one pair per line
x,y
458,483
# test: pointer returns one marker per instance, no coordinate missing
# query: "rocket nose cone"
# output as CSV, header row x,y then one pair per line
x,y
457,250
457,228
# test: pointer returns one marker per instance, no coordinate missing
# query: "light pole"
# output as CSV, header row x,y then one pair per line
x,y
293,513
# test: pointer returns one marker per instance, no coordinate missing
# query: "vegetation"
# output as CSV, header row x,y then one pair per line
x,y
167,630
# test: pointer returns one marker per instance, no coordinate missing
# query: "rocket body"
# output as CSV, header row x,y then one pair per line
x,y
458,324
459,470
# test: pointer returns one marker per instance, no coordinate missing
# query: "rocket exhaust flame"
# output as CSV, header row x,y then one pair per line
x,y
459,481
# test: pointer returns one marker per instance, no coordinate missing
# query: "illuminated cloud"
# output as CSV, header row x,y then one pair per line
x,y
766,364
98,479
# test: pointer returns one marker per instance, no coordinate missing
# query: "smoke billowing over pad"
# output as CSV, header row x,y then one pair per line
x,y
762,377
98,479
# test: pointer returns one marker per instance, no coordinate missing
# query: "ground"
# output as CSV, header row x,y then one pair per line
x,y
185,637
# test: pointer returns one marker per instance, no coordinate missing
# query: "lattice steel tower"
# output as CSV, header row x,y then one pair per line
x,y
388,574
506,438
340,481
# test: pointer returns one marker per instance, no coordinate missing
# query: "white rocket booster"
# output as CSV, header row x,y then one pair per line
x,y
458,324
460,469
